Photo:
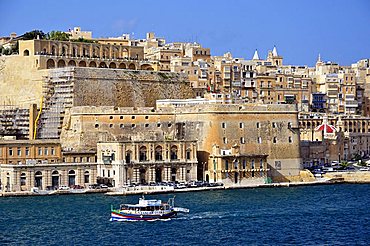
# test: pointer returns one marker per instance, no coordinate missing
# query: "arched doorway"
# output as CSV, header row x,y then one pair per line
x,y
132,66
71,178
122,66
142,175
38,179
103,65
26,53
82,64
112,65
87,177
72,63
55,179
61,63
50,64
92,64
207,178
158,175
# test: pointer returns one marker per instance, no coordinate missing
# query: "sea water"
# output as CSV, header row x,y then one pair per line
x,y
309,215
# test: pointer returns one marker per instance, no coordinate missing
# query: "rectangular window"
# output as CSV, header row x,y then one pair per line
x,y
259,140
261,163
290,140
11,151
103,172
27,151
274,140
244,164
252,164
19,151
258,125
108,173
225,140
278,165
39,151
226,165
223,125
273,125
242,140
52,151
46,151
241,125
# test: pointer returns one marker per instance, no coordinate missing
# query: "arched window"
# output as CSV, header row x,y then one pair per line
x,y
23,179
71,178
128,156
87,177
53,50
26,53
188,154
142,153
158,153
55,179
125,53
174,152
38,179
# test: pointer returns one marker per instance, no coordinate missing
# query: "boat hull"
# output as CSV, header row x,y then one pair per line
x,y
119,216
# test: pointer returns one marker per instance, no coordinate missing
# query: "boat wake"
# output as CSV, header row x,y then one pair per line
x,y
209,215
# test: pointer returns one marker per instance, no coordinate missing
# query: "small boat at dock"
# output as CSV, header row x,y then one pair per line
x,y
147,210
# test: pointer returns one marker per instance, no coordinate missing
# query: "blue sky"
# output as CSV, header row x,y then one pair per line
x,y
338,29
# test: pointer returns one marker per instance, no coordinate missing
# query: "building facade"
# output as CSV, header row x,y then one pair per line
x,y
144,162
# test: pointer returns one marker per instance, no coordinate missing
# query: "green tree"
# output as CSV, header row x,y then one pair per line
x,y
344,164
58,35
33,35
83,40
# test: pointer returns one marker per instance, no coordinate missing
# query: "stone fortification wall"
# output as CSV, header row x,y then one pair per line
x,y
127,88
257,129
20,81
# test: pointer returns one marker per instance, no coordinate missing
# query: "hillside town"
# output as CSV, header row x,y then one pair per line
x,y
78,112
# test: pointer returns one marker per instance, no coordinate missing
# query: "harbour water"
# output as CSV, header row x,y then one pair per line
x,y
308,215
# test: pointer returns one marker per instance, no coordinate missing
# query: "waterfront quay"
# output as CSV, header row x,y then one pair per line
x,y
328,179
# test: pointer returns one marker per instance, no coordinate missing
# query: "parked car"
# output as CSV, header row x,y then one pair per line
x,y
77,187
63,187
94,186
103,186
181,185
364,169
